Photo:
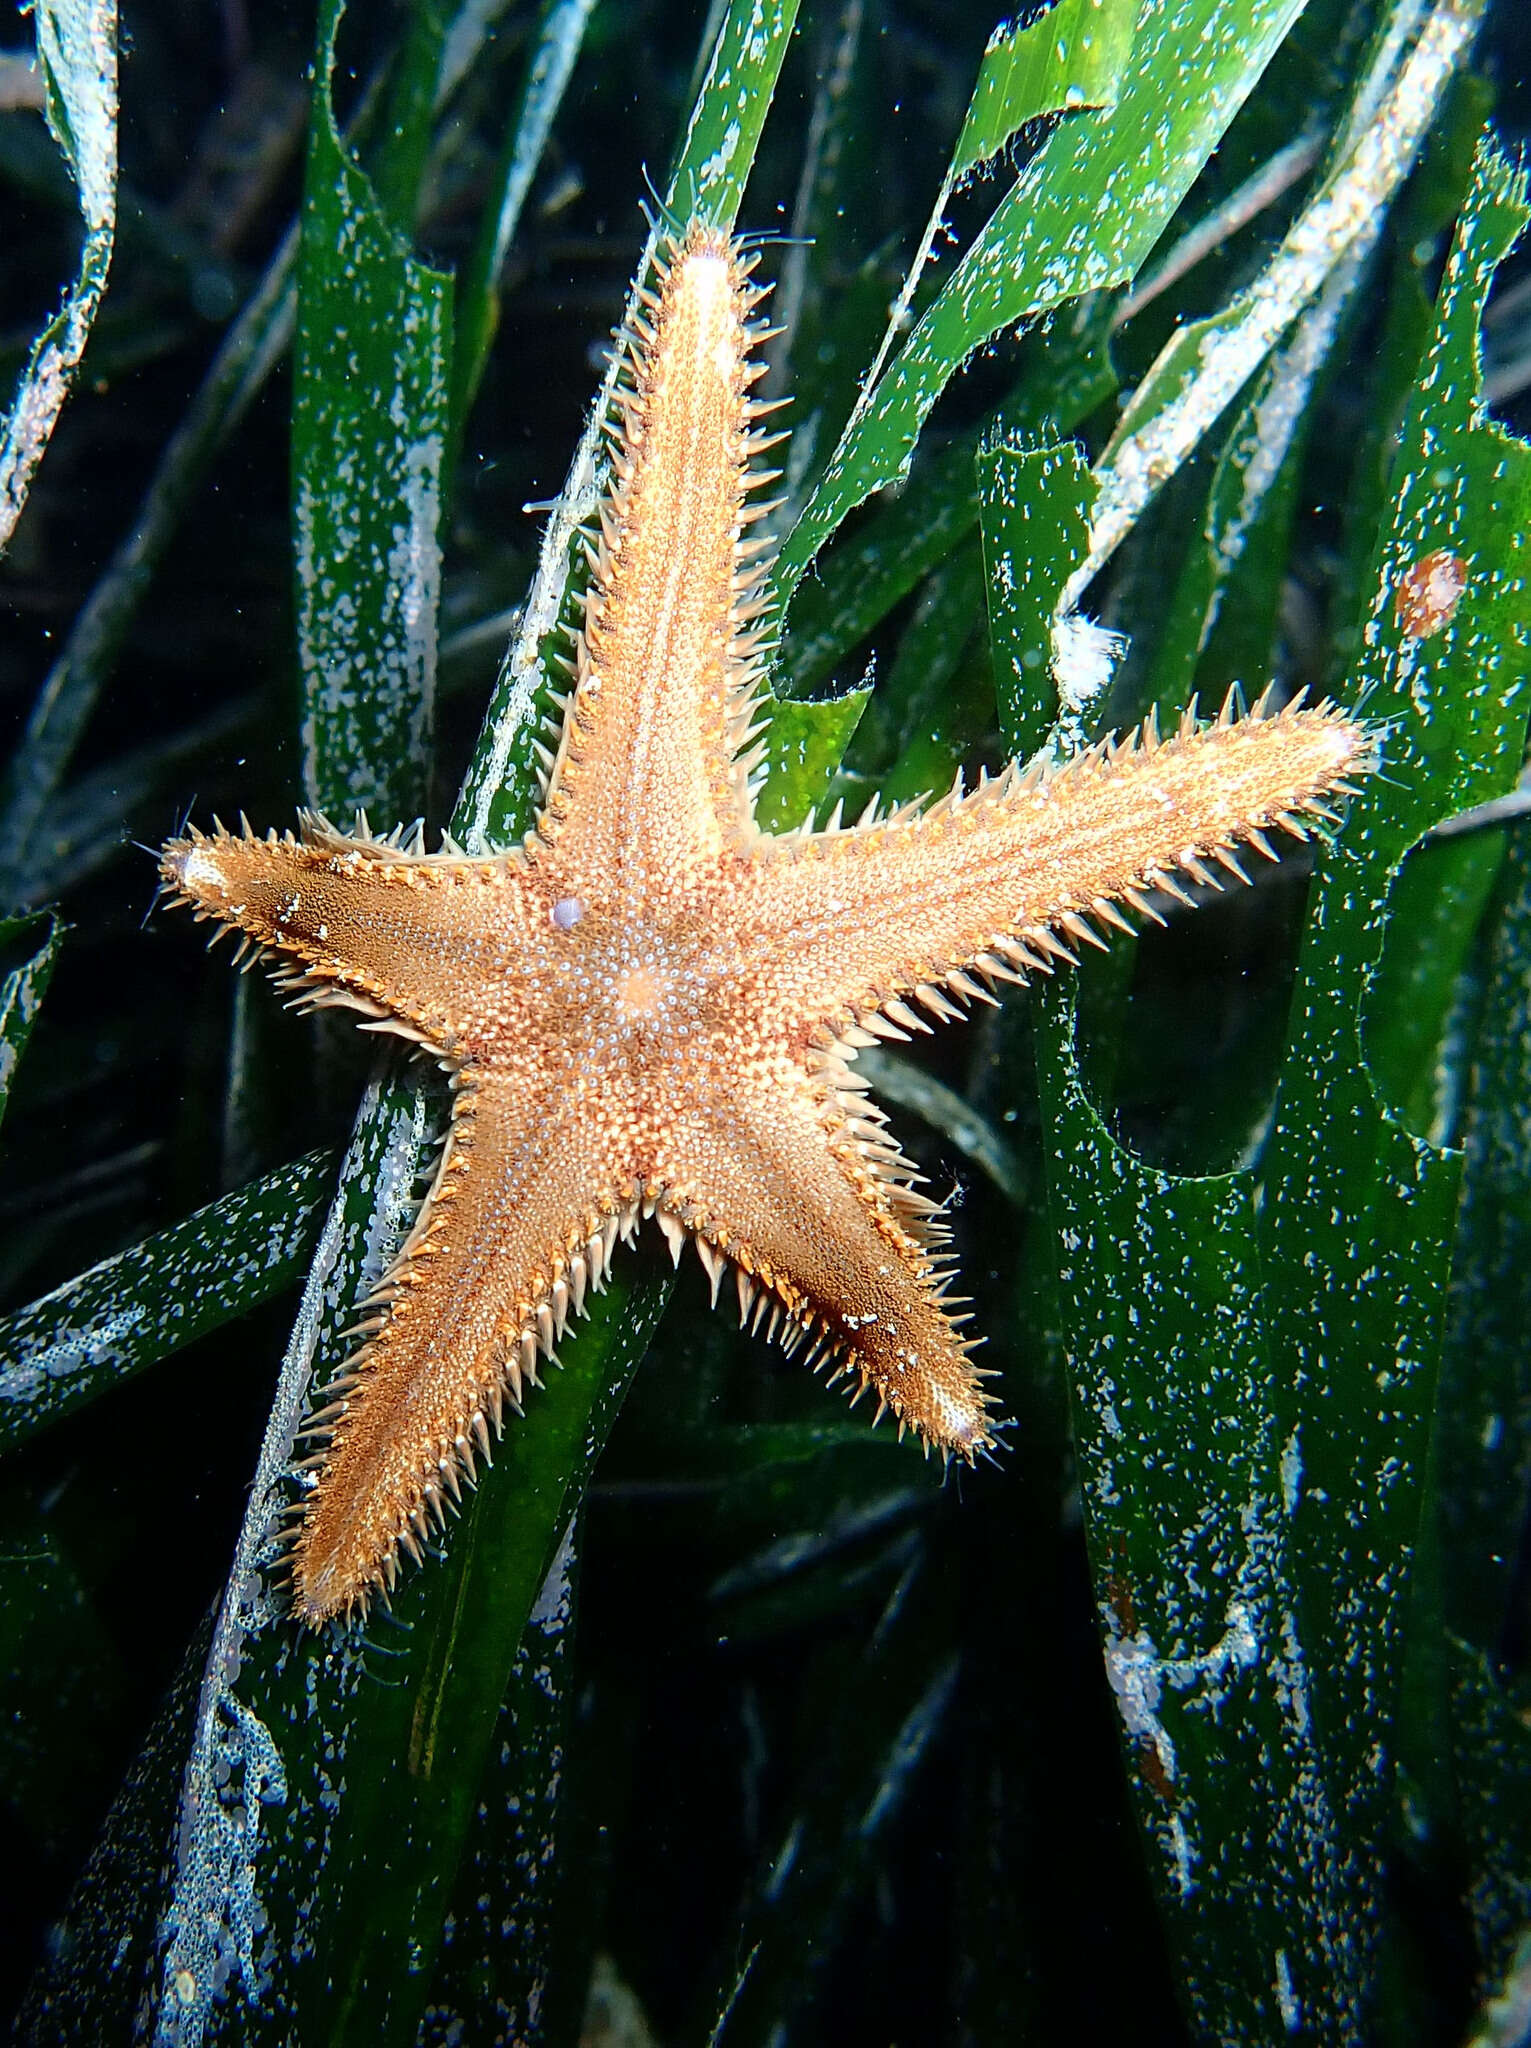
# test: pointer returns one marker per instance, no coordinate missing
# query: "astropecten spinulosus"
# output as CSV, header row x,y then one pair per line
x,y
652,1007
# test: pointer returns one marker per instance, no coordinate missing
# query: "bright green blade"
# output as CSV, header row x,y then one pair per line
x,y
1081,217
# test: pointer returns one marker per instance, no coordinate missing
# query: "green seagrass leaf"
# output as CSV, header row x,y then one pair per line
x,y
371,373
1063,377
1254,1356
868,573
476,313
965,1128
357,1888
1071,57
876,1712
1082,217
1230,584
1483,1428
500,1945
805,744
1207,363
500,792
75,1344
1034,506
1485,1415
717,152
724,1454
937,700
1437,908
77,50
62,1681
29,949
112,1907
1491,1755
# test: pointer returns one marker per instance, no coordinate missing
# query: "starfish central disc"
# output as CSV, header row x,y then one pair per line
x,y
643,991
652,1007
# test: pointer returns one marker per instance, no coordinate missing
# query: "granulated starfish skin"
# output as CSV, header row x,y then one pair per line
x,y
653,1008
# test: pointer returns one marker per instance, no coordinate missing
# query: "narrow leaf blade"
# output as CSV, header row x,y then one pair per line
x,y
77,48
126,1314
370,407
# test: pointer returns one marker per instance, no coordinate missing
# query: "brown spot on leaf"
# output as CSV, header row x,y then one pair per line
x,y
1428,594
1155,1776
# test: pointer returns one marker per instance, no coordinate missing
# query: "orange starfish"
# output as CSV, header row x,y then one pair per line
x,y
652,1007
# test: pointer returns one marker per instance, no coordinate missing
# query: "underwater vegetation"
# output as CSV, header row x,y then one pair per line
x,y
1135,352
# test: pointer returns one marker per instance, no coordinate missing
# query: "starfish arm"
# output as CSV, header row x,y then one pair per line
x,y
425,945
520,1223
802,1190
1002,880
651,771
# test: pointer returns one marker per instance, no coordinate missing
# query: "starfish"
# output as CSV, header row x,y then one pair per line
x,y
653,1008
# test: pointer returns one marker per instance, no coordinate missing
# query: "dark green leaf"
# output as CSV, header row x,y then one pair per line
x,y
1255,1380
938,698
141,1306
879,1712
77,48
866,576
358,1888
1034,504
560,36
373,358
1492,1750
254,344
971,1134
499,795
717,153
1206,364
499,1943
1437,906
61,1681
29,948
1380,1205
1230,586
1484,1440
866,573
112,1907
1482,1433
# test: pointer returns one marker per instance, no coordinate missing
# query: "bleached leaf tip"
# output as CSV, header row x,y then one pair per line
x,y
1085,657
